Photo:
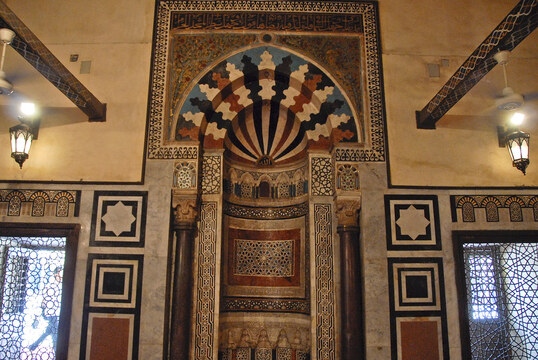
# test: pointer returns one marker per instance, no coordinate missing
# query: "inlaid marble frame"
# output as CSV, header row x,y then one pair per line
x,y
119,218
112,304
415,286
412,222
417,308
113,281
287,237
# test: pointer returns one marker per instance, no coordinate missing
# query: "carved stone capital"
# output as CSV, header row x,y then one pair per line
x,y
185,208
347,212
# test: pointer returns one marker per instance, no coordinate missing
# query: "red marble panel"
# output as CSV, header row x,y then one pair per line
x,y
419,340
109,338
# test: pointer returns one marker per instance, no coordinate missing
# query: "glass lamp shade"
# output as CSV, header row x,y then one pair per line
x,y
21,138
518,147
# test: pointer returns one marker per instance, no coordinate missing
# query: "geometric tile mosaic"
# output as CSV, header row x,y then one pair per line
x,y
205,346
278,253
211,174
37,203
118,218
321,176
325,319
264,270
412,222
264,258
347,176
513,208
185,174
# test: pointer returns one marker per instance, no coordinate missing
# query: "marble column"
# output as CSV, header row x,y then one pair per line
x,y
352,319
182,289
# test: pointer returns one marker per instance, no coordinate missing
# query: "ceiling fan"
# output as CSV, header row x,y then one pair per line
x,y
6,37
510,100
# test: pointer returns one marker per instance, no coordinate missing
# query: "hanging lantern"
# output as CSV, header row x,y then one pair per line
x,y
518,146
21,138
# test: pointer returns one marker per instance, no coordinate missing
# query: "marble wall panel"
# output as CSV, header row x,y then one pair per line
x,y
412,222
119,218
112,305
417,306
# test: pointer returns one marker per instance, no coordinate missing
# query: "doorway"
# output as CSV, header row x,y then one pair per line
x,y
36,280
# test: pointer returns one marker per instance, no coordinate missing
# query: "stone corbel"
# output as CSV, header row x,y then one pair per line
x,y
185,208
347,211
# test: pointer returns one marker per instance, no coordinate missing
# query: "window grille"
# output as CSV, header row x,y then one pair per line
x,y
502,299
30,281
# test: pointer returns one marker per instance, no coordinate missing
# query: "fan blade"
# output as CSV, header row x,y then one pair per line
x,y
531,96
16,77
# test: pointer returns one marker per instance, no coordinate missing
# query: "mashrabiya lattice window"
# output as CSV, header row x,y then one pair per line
x,y
502,298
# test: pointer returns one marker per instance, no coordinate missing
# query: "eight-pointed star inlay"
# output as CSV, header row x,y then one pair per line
x,y
412,222
118,218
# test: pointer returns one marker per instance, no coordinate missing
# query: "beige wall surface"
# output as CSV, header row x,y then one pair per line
x,y
463,150
116,38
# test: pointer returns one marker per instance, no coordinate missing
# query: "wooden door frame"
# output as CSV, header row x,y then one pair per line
x,y
476,236
71,233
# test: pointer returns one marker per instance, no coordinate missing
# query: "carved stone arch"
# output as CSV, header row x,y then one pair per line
x,y
283,178
514,204
16,194
298,187
232,175
230,180
265,186
265,124
533,203
468,199
64,194
513,199
491,199
267,178
303,102
282,186
298,176
41,194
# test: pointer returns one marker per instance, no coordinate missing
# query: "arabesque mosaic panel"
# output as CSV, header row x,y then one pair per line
x,y
340,36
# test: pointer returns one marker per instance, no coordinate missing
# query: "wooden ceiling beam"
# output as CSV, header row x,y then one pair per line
x,y
516,26
40,57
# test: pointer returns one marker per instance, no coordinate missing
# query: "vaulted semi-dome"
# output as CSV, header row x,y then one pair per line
x,y
266,106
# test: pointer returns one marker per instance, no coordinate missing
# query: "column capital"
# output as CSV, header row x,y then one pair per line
x,y
185,209
347,212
